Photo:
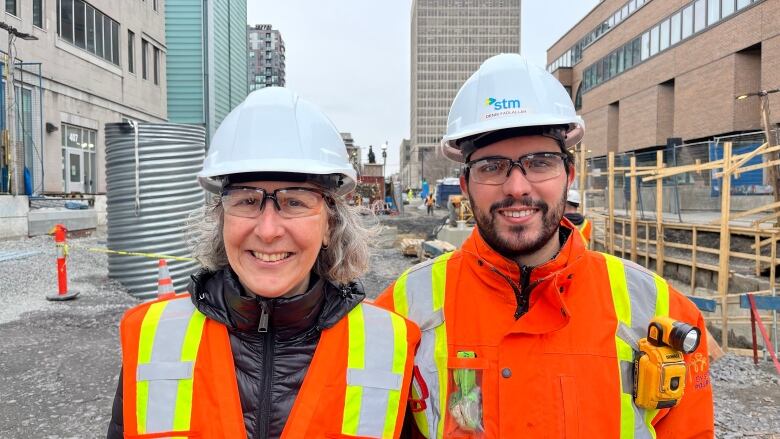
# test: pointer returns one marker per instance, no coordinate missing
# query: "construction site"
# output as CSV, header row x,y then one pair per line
x,y
60,360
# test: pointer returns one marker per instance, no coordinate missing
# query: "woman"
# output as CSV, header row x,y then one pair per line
x,y
275,340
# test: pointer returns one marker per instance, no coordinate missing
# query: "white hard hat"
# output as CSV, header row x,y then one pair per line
x,y
275,131
508,92
573,197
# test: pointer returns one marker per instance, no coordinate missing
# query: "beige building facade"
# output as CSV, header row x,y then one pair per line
x,y
644,71
92,62
450,39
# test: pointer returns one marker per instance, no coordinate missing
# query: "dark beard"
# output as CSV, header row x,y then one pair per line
x,y
520,245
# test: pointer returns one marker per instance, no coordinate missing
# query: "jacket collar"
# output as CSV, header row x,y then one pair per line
x,y
549,282
220,296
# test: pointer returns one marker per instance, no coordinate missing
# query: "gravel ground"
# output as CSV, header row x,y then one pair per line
x,y
59,361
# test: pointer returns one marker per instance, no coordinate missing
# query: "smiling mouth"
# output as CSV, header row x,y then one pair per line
x,y
517,213
270,257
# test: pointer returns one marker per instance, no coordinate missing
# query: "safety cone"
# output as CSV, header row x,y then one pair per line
x,y
60,233
164,281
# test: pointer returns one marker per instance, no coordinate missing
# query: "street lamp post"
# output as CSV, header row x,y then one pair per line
x,y
384,164
8,135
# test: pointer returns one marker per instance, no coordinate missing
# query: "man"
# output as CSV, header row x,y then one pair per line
x,y
576,218
526,333
430,203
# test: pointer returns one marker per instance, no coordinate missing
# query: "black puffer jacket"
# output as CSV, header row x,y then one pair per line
x,y
270,366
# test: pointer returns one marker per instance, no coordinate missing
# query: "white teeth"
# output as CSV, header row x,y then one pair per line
x,y
270,257
517,213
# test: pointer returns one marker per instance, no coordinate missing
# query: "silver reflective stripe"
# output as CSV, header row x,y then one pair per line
x,y
167,347
379,350
165,371
419,294
379,379
642,293
627,376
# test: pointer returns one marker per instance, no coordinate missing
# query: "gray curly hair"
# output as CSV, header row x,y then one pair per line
x,y
344,260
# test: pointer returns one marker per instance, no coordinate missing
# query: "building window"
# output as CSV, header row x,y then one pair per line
x,y
700,18
10,7
156,66
654,40
90,28
144,59
82,25
676,28
713,11
155,4
130,51
687,22
740,3
645,45
727,8
664,43
38,13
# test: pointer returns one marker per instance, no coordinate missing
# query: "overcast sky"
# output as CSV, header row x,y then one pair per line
x,y
351,57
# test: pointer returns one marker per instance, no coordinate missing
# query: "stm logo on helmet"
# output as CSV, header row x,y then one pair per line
x,y
503,104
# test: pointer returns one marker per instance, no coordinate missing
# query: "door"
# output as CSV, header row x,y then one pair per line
x,y
74,165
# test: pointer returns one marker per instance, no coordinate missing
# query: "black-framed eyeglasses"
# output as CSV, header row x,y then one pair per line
x,y
290,202
536,167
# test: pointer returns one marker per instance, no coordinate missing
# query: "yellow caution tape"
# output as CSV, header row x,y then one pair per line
x,y
146,255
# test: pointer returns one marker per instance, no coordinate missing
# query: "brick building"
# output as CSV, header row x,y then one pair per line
x,y
641,71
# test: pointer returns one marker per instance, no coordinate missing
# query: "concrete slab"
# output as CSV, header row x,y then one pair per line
x,y
13,216
42,220
454,235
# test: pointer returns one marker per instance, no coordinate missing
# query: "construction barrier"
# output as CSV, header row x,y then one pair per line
x,y
60,234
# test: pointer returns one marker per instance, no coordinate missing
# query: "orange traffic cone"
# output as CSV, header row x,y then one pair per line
x,y
164,281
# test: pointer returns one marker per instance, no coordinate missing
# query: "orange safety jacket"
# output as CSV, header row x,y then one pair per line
x,y
585,231
563,369
180,380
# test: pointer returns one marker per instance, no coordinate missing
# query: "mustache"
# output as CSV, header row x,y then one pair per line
x,y
520,202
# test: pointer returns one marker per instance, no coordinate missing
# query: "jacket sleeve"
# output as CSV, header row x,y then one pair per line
x,y
693,417
116,428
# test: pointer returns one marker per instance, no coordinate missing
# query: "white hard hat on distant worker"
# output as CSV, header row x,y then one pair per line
x,y
573,197
508,93
276,135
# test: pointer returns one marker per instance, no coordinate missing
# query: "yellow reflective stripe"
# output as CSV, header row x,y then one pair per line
x,y
439,280
625,353
400,302
400,348
145,344
622,303
355,360
617,281
439,285
440,357
183,411
662,296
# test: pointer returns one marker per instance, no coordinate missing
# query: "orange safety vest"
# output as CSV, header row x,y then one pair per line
x,y
585,231
179,377
564,369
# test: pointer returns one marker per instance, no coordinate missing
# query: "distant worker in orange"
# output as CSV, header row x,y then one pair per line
x,y
571,213
525,332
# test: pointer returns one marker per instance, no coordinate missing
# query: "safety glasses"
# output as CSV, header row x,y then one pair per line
x,y
290,202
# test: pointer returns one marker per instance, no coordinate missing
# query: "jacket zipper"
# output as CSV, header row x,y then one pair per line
x,y
266,330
